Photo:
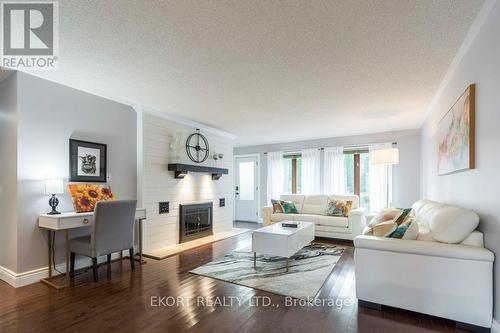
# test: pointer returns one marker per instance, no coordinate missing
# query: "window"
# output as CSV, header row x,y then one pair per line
x,y
357,166
293,173
247,180
364,180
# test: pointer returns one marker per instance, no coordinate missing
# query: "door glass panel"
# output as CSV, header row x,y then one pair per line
x,y
247,181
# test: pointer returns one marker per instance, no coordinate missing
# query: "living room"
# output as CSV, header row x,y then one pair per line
x,y
254,166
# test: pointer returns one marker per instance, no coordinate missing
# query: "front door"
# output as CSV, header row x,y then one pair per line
x,y
246,188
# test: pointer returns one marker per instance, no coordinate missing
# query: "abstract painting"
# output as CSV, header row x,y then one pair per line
x,y
455,135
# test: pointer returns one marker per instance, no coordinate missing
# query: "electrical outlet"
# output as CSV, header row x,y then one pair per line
x,y
164,207
222,202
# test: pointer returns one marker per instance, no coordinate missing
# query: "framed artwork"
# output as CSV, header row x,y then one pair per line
x,y
455,135
87,161
85,196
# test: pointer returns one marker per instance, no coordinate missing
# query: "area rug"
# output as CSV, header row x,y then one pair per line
x,y
308,270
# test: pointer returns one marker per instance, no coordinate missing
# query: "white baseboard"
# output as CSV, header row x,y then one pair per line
x,y
8,276
17,280
495,327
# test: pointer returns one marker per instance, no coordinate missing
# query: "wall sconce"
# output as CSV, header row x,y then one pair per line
x,y
180,174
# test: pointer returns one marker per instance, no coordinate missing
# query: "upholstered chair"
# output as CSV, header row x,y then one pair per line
x,y
112,231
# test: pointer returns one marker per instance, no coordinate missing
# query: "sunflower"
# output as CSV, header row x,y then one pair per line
x,y
107,194
93,194
82,188
84,204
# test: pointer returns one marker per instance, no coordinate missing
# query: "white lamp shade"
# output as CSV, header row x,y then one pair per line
x,y
384,156
54,186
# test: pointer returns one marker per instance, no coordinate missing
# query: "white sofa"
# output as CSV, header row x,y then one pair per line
x,y
313,208
453,281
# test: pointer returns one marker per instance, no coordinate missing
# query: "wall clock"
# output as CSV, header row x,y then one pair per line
x,y
197,147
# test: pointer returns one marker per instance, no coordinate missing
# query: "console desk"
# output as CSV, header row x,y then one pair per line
x,y
68,221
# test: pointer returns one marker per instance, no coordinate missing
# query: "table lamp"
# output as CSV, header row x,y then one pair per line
x,y
385,156
53,187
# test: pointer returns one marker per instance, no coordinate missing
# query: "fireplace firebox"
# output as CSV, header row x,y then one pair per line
x,y
195,221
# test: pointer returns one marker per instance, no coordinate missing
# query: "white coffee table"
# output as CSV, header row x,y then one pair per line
x,y
281,241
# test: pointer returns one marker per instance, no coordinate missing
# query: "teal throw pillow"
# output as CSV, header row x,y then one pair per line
x,y
289,207
400,231
335,208
277,208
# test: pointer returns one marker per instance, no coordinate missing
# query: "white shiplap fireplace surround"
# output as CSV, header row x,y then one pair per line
x,y
163,143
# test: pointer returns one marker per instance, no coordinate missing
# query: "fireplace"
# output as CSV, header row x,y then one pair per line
x,y
195,221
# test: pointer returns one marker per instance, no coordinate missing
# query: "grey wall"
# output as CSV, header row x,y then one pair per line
x,y
478,189
405,175
8,158
49,115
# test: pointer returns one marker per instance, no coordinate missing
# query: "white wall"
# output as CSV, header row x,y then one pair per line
x,y
405,175
8,175
478,189
49,115
159,184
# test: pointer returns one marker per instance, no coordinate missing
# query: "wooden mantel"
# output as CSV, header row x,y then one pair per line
x,y
181,170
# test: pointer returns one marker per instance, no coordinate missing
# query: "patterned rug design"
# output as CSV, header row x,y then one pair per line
x,y
308,270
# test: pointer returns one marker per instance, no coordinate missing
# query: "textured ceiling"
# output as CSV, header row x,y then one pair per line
x,y
267,71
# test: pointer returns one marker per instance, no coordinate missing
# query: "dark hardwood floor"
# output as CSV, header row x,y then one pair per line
x,y
121,301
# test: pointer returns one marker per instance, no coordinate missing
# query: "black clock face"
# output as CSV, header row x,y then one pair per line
x,y
197,147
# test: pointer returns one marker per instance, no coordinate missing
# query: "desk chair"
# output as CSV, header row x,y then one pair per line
x,y
112,231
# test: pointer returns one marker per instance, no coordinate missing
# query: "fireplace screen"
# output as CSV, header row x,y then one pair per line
x,y
195,221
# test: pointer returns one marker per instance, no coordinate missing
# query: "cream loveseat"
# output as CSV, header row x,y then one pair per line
x,y
313,208
446,272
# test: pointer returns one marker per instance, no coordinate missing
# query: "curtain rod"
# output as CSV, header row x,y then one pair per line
x,y
294,151
349,147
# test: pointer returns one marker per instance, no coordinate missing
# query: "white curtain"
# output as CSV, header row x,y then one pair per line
x,y
310,180
275,177
334,171
380,183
